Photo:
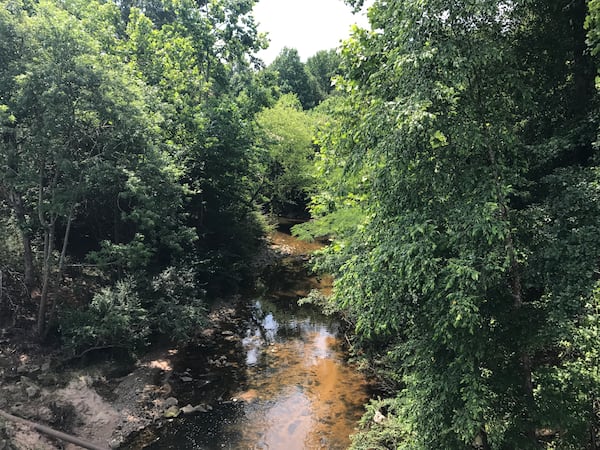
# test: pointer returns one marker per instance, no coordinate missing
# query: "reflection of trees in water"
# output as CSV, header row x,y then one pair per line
x,y
299,394
309,374
270,324
303,396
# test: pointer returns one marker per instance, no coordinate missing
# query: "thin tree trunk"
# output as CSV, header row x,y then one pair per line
x,y
16,201
61,261
46,272
28,261
524,358
53,433
63,253
485,445
517,295
19,211
49,227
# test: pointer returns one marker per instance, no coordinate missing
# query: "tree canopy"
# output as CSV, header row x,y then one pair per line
x,y
126,137
465,154
288,140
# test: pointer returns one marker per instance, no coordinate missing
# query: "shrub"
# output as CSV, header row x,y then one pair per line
x,y
385,424
114,317
175,303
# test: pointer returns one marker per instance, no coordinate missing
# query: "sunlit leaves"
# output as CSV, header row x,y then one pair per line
x,y
478,240
287,133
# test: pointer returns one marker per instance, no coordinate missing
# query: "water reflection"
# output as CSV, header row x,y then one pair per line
x,y
299,393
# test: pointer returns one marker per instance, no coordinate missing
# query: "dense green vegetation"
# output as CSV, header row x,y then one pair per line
x,y
134,167
288,140
455,167
461,183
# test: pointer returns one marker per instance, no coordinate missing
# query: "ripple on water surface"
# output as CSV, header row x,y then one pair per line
x,y
300,394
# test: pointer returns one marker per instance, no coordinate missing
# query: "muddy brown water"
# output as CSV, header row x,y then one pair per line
x,y
298,393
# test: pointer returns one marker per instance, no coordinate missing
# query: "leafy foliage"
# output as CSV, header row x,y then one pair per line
x,y
175,304
115,317
131,314
384,431
465,151
293,77
323,66
127,139
287,134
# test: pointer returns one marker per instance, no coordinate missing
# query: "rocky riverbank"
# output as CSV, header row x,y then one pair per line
x,y
109,398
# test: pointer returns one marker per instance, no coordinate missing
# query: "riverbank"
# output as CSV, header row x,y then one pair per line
x,y
105,398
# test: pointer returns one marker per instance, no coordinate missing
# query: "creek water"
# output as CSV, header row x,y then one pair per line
x,y
298,392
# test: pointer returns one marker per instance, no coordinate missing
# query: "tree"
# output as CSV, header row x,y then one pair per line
x,y
322,67
127,130
472,269
10,53
76,114
200,65
287,139
293,77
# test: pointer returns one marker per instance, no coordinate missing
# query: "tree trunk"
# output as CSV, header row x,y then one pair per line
x,y
16,202
516,291
485,445
53,433
63,253
46,273
28,261
29,272
61,261
524,358
49,227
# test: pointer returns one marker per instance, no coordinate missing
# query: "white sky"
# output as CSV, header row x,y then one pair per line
x,y
306,25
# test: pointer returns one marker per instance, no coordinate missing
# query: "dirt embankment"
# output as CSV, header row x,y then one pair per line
x,y
107,400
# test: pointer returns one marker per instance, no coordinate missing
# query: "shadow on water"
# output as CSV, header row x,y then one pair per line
x,y
296,391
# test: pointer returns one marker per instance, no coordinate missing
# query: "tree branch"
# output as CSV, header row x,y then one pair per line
x,y
53,433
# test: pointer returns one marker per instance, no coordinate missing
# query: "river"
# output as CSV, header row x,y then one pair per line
x,y
298,392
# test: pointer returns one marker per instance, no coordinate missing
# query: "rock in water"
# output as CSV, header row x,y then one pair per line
x,y
188,409
172,411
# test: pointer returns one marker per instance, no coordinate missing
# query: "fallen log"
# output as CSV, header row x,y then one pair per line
x,y
53,433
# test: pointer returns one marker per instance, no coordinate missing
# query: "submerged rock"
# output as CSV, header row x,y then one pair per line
x,y
248,396
172,411
188,409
